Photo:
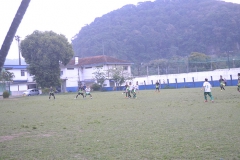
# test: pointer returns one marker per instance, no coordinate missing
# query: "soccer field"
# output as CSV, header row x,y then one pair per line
x,y
172,124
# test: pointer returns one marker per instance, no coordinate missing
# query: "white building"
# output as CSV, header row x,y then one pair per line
x,y
22,80
80,70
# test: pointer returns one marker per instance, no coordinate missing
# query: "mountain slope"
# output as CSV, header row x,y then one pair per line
x,y
162,29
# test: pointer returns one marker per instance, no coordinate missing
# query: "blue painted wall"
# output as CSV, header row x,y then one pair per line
x,y
165,86
179,85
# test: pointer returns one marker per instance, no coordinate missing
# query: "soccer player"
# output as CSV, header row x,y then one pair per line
x,y
137,87
207,90
129,89
125,90
88,92
222,83
134,92
51,92
84,87
80,92
238,88
157,86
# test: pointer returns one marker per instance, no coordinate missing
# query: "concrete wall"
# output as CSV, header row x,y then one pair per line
x,y
185,80
189,77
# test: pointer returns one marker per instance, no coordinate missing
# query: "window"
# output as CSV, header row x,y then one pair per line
x,y
99,67
61,73
70,68
22,73
88,67
125,68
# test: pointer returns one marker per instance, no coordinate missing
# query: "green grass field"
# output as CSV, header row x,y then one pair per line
x,y
173,124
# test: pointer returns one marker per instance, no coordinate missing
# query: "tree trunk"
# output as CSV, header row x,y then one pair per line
x,y
12,31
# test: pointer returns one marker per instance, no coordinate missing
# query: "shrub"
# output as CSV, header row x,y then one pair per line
x,y
45,90
95,87
6,94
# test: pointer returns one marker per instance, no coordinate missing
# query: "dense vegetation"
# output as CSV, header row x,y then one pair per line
x,y
47,49
163,29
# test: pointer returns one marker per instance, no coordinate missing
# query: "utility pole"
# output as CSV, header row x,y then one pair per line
x,y
228,60
147,69
103,48
17,38
211,63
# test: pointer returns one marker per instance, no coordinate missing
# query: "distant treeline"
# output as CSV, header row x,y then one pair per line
x,y
163,29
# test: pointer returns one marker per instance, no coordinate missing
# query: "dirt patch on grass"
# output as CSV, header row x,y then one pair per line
x,y
11,137
26,134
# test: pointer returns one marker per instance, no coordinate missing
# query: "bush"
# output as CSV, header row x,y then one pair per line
x,y
45,90
6,94
95,87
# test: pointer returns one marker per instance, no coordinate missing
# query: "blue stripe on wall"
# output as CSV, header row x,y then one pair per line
x,y
165,86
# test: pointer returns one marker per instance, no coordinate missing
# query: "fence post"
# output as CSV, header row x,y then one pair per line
x,y
212,81
184,82
176,83
160,83
193,81
231,79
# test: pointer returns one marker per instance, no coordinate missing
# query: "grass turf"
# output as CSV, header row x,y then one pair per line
x,y
172,124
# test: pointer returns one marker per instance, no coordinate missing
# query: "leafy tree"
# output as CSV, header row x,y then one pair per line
x,y
160,65
6,77
100,76
45,52
12,30
199,61
119,75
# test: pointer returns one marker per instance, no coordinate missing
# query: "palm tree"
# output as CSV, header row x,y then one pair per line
x,y
12,31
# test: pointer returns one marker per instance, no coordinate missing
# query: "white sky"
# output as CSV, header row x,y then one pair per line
x,y
65,17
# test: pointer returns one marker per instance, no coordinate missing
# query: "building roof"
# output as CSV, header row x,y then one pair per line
x,y
97,60
9,67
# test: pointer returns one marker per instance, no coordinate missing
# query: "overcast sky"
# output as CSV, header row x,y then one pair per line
x,y
65,17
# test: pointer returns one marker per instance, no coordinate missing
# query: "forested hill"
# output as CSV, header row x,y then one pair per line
x,y
162,29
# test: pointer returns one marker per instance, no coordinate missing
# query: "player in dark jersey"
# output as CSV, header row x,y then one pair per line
x,y
222,83
51,92
157,85
80,92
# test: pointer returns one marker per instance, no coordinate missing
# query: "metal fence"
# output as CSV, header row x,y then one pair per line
x,y
185,66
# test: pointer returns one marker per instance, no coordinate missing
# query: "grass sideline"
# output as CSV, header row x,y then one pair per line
x,y
172,124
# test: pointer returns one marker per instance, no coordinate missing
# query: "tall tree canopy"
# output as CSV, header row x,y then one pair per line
x,y
162,29
44,52
12,31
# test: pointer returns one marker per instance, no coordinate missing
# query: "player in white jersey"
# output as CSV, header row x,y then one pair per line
x,y
88,92
133,91
207,90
